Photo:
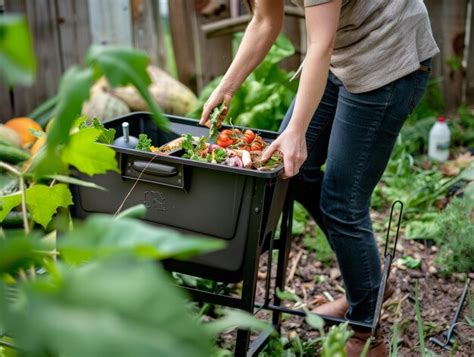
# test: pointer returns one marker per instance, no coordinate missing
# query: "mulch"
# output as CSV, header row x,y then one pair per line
x,y
438,296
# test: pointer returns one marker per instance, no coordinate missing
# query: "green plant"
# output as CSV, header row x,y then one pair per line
x,y
419,321
318,243
456,229
263,99
107,296
410,262
333,342
300,219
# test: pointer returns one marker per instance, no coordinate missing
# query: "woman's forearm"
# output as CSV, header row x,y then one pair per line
x,y
257,41
311,87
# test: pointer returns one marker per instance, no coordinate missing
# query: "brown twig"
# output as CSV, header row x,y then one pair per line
x,y
294,265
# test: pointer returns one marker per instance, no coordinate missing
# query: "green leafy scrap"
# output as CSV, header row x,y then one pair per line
x,y
106,136
124,66
144,143
215,120
43,201
17,57
88,156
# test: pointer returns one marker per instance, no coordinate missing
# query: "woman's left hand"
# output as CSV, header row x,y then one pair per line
x,y
292,144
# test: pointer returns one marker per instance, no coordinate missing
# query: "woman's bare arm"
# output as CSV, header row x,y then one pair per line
x,y
321,26
259,36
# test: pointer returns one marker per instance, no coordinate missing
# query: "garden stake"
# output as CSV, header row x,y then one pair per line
x,y
448,335
388,259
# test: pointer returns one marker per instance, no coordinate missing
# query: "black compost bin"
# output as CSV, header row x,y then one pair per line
x,y
232,204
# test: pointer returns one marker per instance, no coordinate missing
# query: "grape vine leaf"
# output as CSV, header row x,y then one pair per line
x,y
7,203
123,66
43,201
86,155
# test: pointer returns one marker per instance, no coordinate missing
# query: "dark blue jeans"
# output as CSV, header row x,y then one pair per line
x,y
353,134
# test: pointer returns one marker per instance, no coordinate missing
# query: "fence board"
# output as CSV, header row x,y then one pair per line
x,y
159,28
111,22
215,54
74,33
6,110
180,13
42,19
291,28
435,10
469,85
143,28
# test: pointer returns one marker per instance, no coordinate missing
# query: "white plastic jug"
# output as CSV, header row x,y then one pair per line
x,y
438,144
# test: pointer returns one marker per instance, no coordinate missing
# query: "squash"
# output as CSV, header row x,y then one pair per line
x,y
22,126
104,106
172,96
9,136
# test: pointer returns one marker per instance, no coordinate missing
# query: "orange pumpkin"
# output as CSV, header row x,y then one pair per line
x,y
22,126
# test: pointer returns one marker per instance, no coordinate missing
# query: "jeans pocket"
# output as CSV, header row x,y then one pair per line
x,y
422,77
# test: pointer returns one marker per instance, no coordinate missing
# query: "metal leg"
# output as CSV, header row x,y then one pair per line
x,y
249,282
389,255
284,245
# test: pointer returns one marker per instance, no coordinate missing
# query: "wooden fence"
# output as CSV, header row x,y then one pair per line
x,y
202,45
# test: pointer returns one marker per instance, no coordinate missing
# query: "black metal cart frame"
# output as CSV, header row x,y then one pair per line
x,y
174,189
272,302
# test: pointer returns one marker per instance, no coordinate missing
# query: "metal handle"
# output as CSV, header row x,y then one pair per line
x,y
154,169
387,240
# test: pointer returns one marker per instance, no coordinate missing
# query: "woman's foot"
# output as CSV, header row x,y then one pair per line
x,y
339,307
356,344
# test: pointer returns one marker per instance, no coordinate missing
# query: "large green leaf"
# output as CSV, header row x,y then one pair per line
x,y
124,66
73,92
113,308
43,201
103,236
281,49
20,251
86,155
17,58
7,203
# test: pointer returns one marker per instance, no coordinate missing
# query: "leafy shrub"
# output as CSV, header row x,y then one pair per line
x,y
456,232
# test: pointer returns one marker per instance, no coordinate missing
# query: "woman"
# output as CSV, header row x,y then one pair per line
x,y
366,68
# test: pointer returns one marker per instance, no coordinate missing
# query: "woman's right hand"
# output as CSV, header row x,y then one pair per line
x,y
219,96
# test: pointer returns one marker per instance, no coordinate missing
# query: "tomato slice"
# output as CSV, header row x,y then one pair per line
x,y
225,138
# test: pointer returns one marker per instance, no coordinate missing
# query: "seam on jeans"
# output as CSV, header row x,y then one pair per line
x,y
363,160
304,167
368,151
366,263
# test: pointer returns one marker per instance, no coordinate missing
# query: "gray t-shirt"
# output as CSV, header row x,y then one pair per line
x,y
379,41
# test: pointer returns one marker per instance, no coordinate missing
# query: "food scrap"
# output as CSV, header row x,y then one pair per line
x,y
232,148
